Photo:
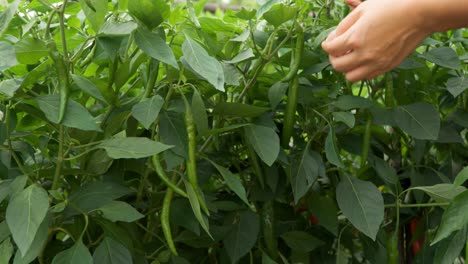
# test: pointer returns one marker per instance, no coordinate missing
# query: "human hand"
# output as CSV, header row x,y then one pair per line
x,y
353,3
375,37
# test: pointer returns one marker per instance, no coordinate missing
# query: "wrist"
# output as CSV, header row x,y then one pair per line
x,y
438,16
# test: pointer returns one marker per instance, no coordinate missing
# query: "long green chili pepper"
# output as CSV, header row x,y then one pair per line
x,y
163,176
63,78
165,220
296,55
192,150
288,124
366,141
268,226
392,248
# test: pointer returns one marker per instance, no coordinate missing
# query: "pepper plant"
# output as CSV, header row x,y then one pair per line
x,y
149,131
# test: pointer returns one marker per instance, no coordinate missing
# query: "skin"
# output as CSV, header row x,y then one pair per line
x,y
379,34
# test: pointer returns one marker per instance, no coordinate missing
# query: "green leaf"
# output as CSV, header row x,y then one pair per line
x,y
233,182
112,252
448,250
150,12
76,115
443,56
8,55
199,113
454,218
147,110
97,16
239,110
242,56
193,199
120,211
326,211
384,170
457,85
77,254
88,87
6,251
202,64
37,245
278,14
276,93
4,189
115,28
441,193
18,184
345,117
96,194
265,7
304,172
132,147
331,149
4,231
348,102
419,120
225,129
462,176
155,46
242,236
321,37
30,50
301,241
267,260
24,215
9,87
362,203
182,215
172,132
265,142
117,232
5,18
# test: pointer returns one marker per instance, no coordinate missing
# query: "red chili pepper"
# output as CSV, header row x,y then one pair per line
x,y
313,220
417,244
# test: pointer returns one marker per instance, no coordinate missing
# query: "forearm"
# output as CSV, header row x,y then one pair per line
x,y
442,15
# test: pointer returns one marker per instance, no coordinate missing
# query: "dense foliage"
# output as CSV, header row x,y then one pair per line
x,y
148,131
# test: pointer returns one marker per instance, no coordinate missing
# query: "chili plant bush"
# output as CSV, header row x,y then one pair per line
x,y
146,131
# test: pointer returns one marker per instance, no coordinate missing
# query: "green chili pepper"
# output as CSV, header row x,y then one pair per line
x,y
192,150
392,248
62,76
268,226
163,176
296,55
165,220
289,115
291,105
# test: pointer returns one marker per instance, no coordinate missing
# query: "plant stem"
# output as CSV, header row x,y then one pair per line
x,y
58,168
8,136
63,36
416,205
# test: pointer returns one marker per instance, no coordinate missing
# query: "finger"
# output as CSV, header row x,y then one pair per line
x,y
341,43
331,36
347,22
346,62
353,3
361,73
